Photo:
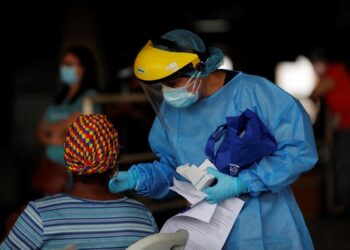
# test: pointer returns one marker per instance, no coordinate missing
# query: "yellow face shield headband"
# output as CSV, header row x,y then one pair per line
x,y
153,65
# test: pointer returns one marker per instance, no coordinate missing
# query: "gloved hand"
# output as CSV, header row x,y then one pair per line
x,y
125,180
226,187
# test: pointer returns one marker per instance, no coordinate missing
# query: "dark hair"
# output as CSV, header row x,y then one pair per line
x,y
89,79
331,54
318,53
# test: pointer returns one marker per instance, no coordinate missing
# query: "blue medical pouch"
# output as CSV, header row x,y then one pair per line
x,y
239,143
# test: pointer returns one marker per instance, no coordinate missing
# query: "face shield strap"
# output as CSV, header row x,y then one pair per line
x,y
175,47
195,81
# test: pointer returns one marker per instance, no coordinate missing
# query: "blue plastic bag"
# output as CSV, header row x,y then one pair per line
x,y
240,142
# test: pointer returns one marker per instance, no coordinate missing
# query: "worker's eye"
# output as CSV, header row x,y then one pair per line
x,y
178,82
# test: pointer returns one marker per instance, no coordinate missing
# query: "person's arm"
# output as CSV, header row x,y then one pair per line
x,y
52,133
27,233
62,126
296,153
55,133
154,179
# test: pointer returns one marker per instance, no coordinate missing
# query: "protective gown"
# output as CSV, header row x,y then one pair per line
x,y
270,218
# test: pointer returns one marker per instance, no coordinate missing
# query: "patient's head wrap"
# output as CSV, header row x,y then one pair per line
x,y
91,145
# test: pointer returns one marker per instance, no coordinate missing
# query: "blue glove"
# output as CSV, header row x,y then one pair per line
x,y
125,180
226,187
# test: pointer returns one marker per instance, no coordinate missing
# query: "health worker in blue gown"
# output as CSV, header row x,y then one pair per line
x,y
192,97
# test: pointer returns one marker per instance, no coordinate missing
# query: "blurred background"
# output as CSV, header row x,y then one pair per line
x,y
274,40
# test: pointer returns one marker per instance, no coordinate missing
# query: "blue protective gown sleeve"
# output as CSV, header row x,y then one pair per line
x,y
296,153
154,179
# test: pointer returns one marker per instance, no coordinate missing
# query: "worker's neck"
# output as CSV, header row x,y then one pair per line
x,y
212,83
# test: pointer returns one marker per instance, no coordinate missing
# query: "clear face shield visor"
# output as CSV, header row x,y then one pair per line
x,y
174,97
171,80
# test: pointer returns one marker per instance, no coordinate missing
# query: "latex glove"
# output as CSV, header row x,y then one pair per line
x,y
125,180
226,187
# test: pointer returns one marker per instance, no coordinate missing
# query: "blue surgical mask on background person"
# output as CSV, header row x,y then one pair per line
x,y
179,97
68,75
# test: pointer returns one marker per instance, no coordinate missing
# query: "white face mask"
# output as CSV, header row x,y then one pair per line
x,y
181,97
68,75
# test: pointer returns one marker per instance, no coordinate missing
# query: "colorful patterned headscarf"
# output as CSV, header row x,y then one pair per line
x,y
91,145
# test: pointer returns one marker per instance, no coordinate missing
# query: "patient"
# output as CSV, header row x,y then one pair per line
x,y
88,216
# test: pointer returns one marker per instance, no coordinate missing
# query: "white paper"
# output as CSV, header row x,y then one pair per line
x,y
202,211
207,236
206,164
198,176
188,191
